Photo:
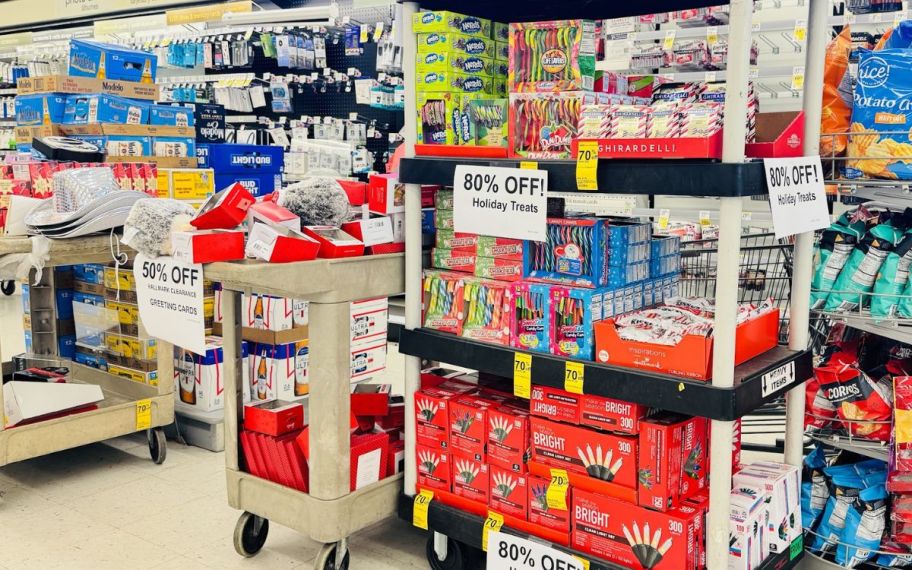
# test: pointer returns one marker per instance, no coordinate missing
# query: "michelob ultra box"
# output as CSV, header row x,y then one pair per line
x,y
200,380
278,371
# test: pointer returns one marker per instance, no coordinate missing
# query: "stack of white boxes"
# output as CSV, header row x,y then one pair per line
x,y
368,338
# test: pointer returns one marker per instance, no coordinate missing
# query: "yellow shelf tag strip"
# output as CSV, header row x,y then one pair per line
x,y
557,490
494,522
574,373
522,375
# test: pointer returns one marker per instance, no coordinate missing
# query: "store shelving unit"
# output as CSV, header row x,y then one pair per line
x,y
732,392
117,414
331,512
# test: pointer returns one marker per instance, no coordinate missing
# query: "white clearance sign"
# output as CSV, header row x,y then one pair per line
x,y
170,297
501,202
796,194
509,552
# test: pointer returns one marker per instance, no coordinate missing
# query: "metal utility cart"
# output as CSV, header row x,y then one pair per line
x,y
331,512
733,391
128,406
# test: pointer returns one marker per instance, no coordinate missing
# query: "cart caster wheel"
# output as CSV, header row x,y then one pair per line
x,y
456,555
158,445
8,287
326,558
250,534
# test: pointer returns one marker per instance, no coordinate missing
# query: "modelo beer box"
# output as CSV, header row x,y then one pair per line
x,y
257,167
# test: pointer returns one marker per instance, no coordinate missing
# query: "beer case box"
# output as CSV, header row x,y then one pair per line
x,y
434,470
622,533
127,313
200,379
470,477
190,184
602,456
132,347
90,359
140,376
108,61
555,404
508,492
86,85
101,108
89,273
367,360
540,513
169,147
469,425
267,312
508,438
274,418
610,414
660,461
369,320
171,116
279,371
40,109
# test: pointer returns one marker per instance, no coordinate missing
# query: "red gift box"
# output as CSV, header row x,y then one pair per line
x,y
610,414
208,246
274,418
395,419
469,426
370,232
368,456
659,462
370,399
385,195
334,242
509,492
356,191
268,211
280,244
225,209
395,459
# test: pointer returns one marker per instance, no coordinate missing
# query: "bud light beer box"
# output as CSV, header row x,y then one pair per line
x,y
109,61
256,167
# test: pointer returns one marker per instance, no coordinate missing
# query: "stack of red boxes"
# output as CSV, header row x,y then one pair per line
x,y
638,481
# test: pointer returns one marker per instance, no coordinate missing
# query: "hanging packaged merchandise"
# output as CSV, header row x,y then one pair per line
x,y
837,95
281,96
902,423
814,489
846,486
865,523
831,254
892,279
863,404
819,412
857,276
893,556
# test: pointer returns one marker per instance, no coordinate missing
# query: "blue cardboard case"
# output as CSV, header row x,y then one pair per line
x,y
104,108
31,109
109,61
171,116
246,158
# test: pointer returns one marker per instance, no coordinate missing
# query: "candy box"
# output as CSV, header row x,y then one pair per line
x,y
486,309
433,468
555,404
488,122
619,276
455,42
440,119
446,21
40,109
610,414
902,423
456,242
631,253
109,61
572,313
470,477
508,492
453,260
632,536
469,425
499,247
543,126
447,60
540,513
502,48
552,56
453,81
573,255
432,417
532,317
601,456
443,301
443,220
499,268
508,438
659,462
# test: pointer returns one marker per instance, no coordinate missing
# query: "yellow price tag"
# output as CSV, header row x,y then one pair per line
x,y
557,490
704,218
528,165
664,217
582,561
378,32
522,375
712,35
798,78
362,38
573,377
143,414
420,510
494,522
799,34
587,165
248,34
669,41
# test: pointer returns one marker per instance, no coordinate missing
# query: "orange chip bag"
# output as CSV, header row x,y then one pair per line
x,y
837,96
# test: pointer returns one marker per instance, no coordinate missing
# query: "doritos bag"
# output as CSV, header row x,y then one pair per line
x,y
864,405
837,95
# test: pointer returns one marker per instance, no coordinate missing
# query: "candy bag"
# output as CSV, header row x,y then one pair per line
x,y
845,488
831,254
892,279
858,275
865,524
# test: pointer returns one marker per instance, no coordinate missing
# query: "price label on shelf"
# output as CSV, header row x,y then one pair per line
x,y
378,32
170,299
522,375
493,523
143,415
799,34
573,377
796,194
587,165
798,78
664,217
528,165
669,41
502,202
704,218
420,509
511,552
712,34
556,496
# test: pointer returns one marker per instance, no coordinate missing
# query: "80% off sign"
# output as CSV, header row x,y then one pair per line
x,y
509,552
502,202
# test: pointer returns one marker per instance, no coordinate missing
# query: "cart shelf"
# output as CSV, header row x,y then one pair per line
x,y
657,177
466,528
629,384
91,249
533,10
872,449
325,521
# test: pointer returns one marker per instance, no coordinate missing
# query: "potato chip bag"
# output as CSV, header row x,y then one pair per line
x,y
837,95
830,255
865,524
857,276
892,279
864,405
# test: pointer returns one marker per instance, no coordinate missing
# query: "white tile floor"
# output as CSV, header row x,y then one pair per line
x,y
108,506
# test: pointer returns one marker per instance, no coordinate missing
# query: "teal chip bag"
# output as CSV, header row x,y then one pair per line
x,y
860,271
892,279
830,256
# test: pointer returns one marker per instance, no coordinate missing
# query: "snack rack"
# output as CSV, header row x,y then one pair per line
x,y
733,391
125,400
330,512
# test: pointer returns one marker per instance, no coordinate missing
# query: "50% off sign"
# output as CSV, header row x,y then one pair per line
x,y
502,202
170,299
509,552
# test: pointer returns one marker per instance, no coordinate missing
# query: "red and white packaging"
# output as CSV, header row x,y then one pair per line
x,y
207,246
274,418
432,426
539,512
269,212
334,243
782,485
396,459
355,190
267,312
508,438
610,414
509,492
555,404
632,536
370,399
368,320
385,195
659,460
469,426
280,244
695,457
371,232
606,457
225,209
470,477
